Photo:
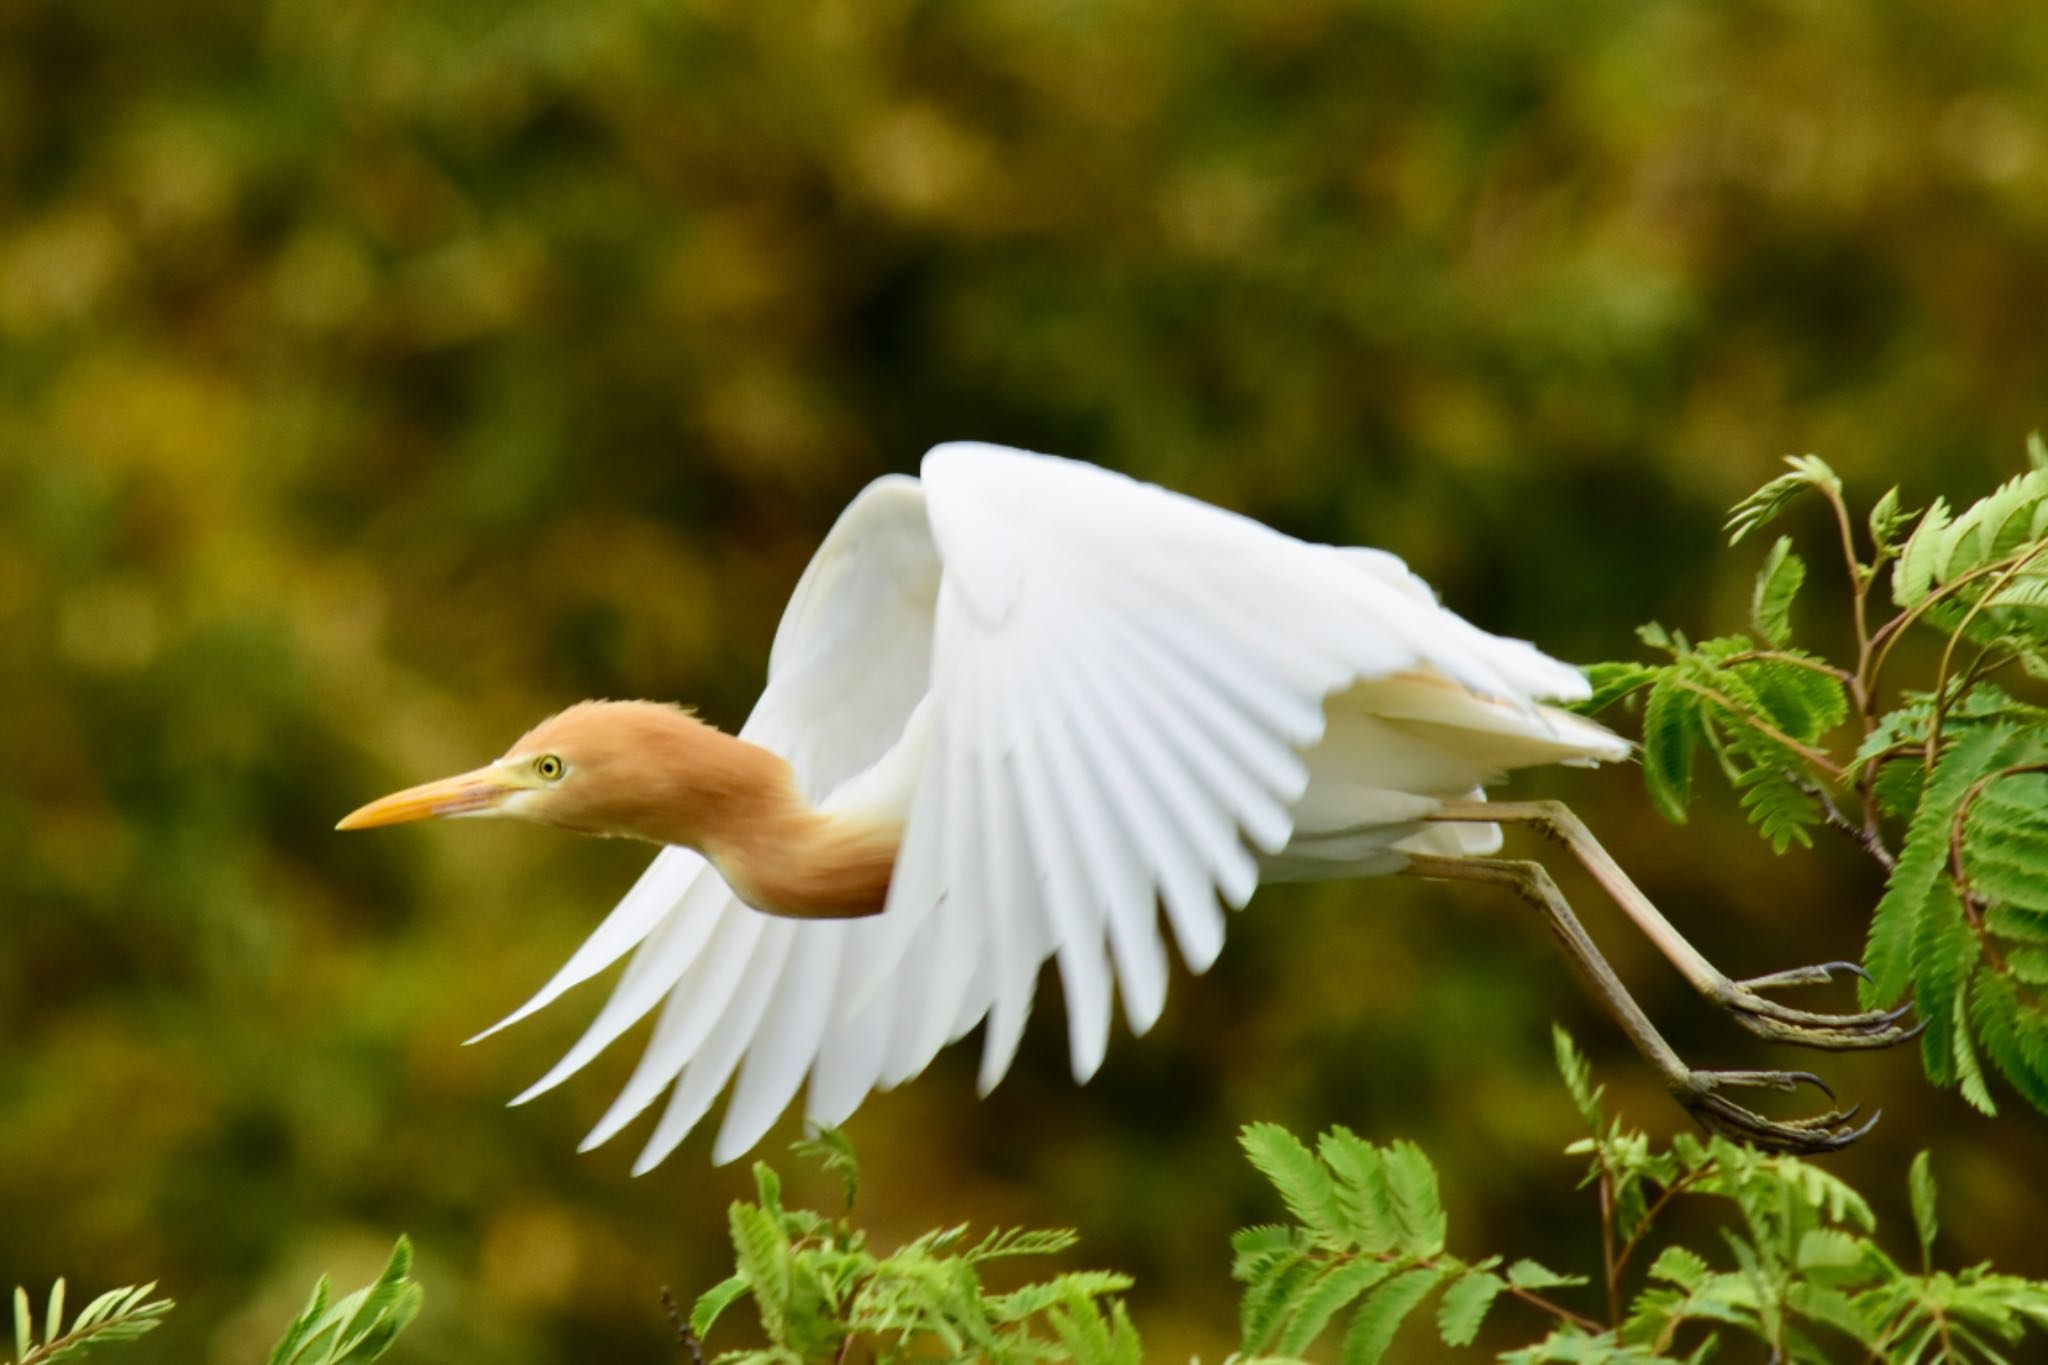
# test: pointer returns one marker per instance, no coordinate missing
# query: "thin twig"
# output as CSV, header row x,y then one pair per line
x,y
1613,1270
683,1333
1671,1191
1859,581
1869,839
1556,1310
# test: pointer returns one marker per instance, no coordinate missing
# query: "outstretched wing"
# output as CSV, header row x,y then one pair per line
x,y
1123,680
742,992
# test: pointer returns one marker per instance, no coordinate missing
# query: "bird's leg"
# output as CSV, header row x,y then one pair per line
x,y
1744,1001
1700,1092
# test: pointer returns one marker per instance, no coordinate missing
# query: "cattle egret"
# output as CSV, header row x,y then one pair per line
x,y
1014,710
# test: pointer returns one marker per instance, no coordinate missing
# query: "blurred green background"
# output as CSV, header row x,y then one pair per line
x,y
377,377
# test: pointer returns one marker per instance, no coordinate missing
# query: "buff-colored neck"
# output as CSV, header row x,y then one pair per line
x,y
807,864
655,772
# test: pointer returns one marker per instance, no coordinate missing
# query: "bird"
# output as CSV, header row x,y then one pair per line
x,y
1023,709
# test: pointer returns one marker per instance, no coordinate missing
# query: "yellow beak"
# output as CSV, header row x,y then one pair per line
x,y
474,793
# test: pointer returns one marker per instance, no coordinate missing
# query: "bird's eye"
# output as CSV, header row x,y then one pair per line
x,y
549,767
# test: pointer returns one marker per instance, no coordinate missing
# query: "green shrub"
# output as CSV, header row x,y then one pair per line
x,y
1792,1263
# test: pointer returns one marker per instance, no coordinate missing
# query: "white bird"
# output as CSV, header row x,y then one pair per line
x,y
1013,711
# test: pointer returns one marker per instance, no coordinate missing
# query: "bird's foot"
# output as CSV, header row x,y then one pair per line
x,y
1700,1093
1747,1004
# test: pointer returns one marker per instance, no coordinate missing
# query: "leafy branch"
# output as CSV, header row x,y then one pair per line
x,y
1941,784
355,1331
822,1293
117,1315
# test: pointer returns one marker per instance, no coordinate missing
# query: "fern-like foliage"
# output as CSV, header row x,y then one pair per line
x,y
117,1315
1798,1268
1942,778
823,1294
1367,1243
354,1331
1778,1259
359,1328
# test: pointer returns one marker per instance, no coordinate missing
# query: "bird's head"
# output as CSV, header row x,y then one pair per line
x,y
634,768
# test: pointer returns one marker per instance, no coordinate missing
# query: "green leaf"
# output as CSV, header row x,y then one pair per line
x,y
1830,1249
1671,731
2020,926
768,1187
2014,1037
358,1328
1913,575
1920,1181
1782,812
1578,1077
1418,1207
1886,519
1762,506
1366,1200
1373,1329
1021,1303
1335,1289
1945,956
1465,1305
1089,1338
1610,682
1268,1301
1795,694
2005,845
1528,1274
764,1263
715,1301
1305,1187
832,1149
1826,1304
1680,1266
1777,583
1896,929
1969,1072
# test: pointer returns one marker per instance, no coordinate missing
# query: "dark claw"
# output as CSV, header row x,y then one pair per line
x,y
1829,1132
1833,1032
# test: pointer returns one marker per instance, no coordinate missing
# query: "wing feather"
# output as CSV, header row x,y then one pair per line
x,y
658,894
660,961
1119,884
1170,822
712,1066
694,1005
851,1060
1072,917
787,1041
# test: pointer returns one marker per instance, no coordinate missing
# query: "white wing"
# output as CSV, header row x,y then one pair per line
x,y
746,992
1121,683
1123,680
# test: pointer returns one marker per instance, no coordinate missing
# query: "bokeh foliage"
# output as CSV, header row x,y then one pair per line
x,y
375,378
